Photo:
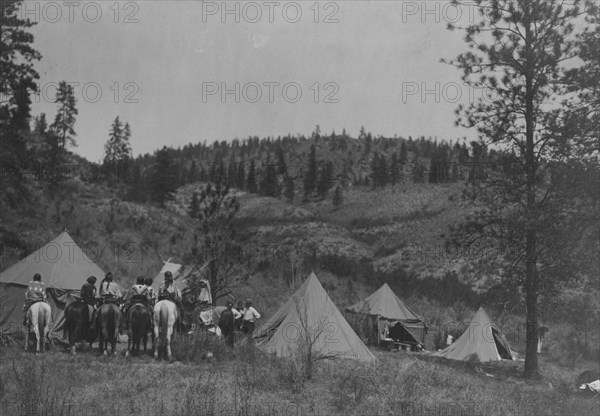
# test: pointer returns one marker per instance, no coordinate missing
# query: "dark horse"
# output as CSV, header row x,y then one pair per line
x,y
108,326
139,319
77,325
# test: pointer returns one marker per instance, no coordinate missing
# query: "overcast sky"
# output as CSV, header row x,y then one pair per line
x,y
162,66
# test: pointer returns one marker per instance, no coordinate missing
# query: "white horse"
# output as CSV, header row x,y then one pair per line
x,y
39,316
165,316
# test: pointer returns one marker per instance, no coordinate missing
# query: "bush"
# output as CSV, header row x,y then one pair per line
x,y
199,346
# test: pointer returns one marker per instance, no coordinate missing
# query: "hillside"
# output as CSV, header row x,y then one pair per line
x,y
380,232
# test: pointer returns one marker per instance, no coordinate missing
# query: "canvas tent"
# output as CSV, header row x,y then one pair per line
x,y
64,267
311,313
482,341
382,315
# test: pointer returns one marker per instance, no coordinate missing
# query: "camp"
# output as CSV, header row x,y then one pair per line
x,y
482,341
63,267
382,317
310,315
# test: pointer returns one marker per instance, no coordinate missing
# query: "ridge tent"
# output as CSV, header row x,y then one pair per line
x,y
311,311
383,315
482,341
64,267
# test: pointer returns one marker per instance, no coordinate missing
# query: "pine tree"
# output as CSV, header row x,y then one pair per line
x,y
310,178
395,169
521,51
382,171
112,147
125,143
403,153
17,76
281,165
193,172
439,167
338,197
164,177
232,172
64,122
325,179
375,170
418,171
40,124
241,175
268,180
194,208
251,183
289,191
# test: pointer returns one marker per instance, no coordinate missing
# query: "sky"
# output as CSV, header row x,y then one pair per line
x,y
190,71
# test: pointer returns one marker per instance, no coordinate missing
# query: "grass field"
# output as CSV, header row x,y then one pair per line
x,y
247,382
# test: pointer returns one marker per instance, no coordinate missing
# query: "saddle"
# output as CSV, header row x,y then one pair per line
x,y
105,301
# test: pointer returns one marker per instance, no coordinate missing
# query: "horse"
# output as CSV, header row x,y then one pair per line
x,y
140,322
77,325
108,325
165,317
39,316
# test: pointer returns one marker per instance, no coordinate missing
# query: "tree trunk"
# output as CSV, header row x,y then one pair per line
x,y
531,295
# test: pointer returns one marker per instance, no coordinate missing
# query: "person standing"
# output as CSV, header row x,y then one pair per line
x,y
249,317
227,325
238,315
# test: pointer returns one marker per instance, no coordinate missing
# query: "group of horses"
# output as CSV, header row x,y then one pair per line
x,y
109,319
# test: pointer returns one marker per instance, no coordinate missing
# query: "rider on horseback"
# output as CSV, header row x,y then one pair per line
x,y
139,294
88,296
36,292
109,291
148,283
168,291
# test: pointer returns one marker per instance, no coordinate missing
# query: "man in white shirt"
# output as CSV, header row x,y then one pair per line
x,y
249,317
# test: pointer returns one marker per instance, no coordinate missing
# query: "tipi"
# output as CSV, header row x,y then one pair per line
x,y
64,267
383,314
310,315
482,341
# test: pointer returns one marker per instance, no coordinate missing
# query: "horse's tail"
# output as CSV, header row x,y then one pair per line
x,y
110,321
164,321
41,320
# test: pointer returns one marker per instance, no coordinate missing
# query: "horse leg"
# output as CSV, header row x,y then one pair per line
x,y
128,347
169,334
46,332
104,341
38,337
145,340
157,338
153,340
26,338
